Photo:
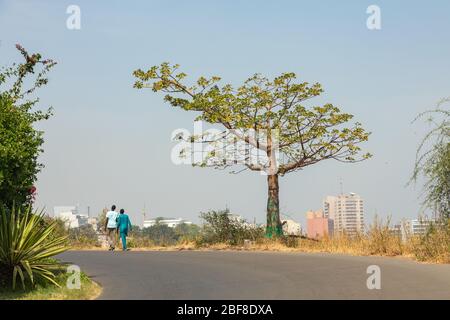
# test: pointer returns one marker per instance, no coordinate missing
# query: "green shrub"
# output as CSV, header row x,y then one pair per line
x,y
84,235
20,143
160,235
220,227
26,246
187,232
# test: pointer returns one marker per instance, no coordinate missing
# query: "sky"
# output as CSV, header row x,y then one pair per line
x,y
108,143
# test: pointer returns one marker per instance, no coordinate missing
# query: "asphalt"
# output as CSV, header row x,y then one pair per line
x,y
179,275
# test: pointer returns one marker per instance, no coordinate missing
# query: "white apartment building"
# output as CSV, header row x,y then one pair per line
x,y
346,211
412,227
70,216
417,227
172,223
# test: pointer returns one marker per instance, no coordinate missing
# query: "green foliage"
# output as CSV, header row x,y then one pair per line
x,y
220,227
163,235
48,291
276,107
433,161
160,234
20,143
59,231
186,232
26,246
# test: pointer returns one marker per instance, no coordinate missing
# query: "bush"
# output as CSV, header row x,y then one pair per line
x,y
20,142
160,235
220,227
83,236
187,232
25,248
434,246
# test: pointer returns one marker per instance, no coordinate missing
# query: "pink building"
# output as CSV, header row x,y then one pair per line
x,y
317,225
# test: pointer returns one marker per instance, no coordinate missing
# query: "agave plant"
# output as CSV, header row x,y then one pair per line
x,y
26,244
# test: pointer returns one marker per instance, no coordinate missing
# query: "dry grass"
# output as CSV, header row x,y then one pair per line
x,y
437,250
378,240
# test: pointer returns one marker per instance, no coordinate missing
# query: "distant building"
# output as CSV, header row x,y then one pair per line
x,y
397,231
318,226
291,228
412,227
64,209
417,227
70,216
346,211
172,223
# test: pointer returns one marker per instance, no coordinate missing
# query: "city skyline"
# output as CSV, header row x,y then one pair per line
x,y
323,212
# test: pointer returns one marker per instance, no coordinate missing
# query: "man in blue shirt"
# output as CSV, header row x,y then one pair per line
x,y
111,227
123,225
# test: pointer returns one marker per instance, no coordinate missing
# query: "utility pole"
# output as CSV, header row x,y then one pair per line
x,y
143,215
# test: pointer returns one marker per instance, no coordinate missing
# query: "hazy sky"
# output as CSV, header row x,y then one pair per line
x,y
109,143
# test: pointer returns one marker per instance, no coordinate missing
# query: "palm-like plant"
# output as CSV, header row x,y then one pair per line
x,y
26,244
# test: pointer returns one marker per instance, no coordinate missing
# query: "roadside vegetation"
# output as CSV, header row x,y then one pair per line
x,y
28,240
45,291
221,231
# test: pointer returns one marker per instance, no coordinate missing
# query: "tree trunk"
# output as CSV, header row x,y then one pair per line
x,y
273,228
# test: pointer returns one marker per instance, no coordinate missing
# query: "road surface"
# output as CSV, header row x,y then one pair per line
x,y
257,275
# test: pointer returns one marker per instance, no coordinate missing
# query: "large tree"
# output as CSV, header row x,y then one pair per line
x,y
20,142
270,117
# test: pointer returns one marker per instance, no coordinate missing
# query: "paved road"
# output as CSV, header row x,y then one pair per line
x,y
257,275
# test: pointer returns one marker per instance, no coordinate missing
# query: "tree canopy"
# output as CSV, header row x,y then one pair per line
x,y
275,107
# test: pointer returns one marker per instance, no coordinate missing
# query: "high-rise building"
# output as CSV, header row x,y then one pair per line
x,y
347,212
318,225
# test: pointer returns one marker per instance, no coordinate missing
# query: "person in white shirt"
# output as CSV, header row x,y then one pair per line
x,y
111,227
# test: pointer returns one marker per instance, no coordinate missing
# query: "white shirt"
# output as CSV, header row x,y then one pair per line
x,y
112,217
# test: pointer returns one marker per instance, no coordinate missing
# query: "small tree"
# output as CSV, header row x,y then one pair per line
x,y
20,143
222,227
161,234
433,161
186,232
293,136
